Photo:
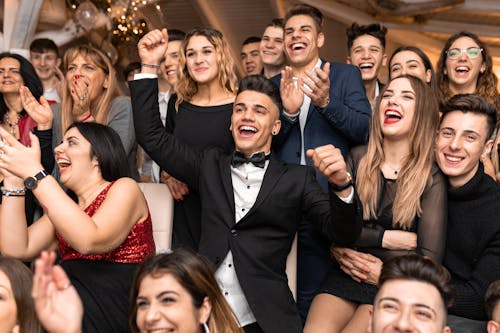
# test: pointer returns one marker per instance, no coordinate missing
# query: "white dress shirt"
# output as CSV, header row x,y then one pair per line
x,y
304,110
247,180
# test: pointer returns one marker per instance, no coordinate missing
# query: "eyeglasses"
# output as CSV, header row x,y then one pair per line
x,y
472,52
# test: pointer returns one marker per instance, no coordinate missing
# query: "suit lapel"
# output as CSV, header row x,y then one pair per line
x,y
273,174
225,170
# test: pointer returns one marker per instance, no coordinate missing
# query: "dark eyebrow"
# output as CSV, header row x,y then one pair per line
x,y
419,305
408,92
72,138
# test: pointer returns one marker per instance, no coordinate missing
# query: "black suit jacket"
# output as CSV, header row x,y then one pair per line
x,y
260,241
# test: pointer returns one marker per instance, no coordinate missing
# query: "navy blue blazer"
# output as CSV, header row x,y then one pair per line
x,y
344,122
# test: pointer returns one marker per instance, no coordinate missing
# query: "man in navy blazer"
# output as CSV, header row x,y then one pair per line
x,y
252,202
324,103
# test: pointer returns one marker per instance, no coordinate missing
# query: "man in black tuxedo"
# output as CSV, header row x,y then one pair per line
x,y
252,202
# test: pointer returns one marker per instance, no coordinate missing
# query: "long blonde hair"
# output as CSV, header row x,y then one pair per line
x,y
415,173
100,107
227,79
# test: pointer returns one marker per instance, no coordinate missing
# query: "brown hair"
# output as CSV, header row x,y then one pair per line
x,y
21,281
491,298
195,274
486,86
306,10
100,107
419,268
187,87
415,175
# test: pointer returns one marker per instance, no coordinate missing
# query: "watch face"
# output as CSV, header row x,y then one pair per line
x,y
30,183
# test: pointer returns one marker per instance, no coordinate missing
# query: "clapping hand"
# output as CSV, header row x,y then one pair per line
x,y
292,95
317,83
57,303
40,112
18,159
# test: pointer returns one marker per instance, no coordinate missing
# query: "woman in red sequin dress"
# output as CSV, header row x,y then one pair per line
x,y
101,235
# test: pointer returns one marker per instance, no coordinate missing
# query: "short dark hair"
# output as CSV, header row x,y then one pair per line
x,y
107,147
307,10
176,34
491,298
262,85
30,79
474,104
131,67
419,268
251,40
21,281
276,22
376,30
42,45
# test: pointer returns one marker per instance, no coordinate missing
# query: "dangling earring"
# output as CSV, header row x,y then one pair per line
x,y
205,327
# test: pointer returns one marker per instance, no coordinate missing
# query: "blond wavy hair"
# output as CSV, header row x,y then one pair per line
x,y
99,108
187,87
415,174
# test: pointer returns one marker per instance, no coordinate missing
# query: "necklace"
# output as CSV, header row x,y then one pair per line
x,y
11,125
393,169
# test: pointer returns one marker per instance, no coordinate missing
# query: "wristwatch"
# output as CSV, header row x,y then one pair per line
x,y
31,182
337,188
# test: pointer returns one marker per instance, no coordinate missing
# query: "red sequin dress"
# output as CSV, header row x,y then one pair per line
x,y
103,281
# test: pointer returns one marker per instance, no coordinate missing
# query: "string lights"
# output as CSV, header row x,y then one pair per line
x,y
128,25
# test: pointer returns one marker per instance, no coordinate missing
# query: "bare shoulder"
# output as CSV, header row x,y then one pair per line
x,y
125,186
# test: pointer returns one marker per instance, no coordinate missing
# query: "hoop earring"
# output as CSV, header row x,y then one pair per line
x,y
205,327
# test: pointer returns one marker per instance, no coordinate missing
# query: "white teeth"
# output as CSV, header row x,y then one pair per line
x,y
298,46
393,113
366,66
248,128
453,158
462,69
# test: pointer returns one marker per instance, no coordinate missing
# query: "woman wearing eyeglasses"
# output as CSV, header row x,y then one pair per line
x,y
465,67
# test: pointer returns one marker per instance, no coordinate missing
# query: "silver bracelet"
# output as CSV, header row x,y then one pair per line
x,y
290,116
13,192
150,66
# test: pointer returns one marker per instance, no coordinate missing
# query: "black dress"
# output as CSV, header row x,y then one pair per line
x,y
430,228
199,127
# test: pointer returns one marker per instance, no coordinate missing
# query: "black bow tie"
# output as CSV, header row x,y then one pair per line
x,y
258,159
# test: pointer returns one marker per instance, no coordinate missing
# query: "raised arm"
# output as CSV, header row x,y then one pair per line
x,y
170,154
103,232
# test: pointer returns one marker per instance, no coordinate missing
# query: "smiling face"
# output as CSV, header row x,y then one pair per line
x,y
408,62
163,305
255,118
461,141
463,71
10,76
250,58
368,54
8,307
170,66
45,64
302,41
82,70
73,158
397,109
271,47
408,306
201,60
